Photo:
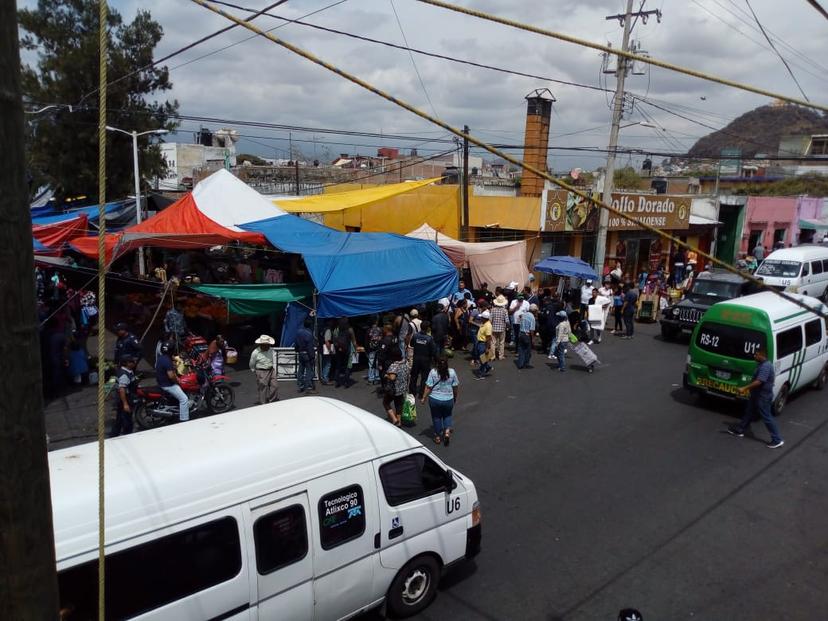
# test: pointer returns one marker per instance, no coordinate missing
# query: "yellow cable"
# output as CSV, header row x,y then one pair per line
x,y
103,17
497,152
629,55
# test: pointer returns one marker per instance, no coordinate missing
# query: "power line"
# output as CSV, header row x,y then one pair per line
x,y
628,55
744,17
227,47
782,58
751,39
189,46
197,42
818,7
411,56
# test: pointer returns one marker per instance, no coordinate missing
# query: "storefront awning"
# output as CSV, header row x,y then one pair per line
x,y
813,224
323,203
257,299
702,221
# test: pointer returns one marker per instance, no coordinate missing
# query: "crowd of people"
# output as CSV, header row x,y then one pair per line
x,y
408,353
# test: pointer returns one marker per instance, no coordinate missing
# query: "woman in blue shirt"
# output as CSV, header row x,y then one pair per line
x,y
441,392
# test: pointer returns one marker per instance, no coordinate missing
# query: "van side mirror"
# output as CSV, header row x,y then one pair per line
x,y
448,483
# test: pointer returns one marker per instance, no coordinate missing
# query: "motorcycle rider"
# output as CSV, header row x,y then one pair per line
x,y
125,398
168,381
127,344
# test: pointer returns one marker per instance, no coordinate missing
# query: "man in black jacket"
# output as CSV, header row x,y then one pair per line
x,y
425,351
440,327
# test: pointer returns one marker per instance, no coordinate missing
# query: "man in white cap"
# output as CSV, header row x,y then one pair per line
x,y
586,296
414,314
263,364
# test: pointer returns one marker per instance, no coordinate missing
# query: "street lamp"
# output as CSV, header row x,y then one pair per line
x,y
138,216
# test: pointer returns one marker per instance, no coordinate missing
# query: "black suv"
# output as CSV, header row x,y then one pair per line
x,y
708,288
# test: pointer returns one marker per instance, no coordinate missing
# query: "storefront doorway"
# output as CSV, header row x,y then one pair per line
x,y
727,235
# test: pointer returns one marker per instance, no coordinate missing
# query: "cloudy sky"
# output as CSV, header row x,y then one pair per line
x,y
258,81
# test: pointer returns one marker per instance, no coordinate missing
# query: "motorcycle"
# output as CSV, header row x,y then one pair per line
x,y
154,407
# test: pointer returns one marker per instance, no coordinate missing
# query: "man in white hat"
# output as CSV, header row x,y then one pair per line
x,y
499,319
263,364
586,296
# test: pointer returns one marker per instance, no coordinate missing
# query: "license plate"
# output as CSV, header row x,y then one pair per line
x,y
722,374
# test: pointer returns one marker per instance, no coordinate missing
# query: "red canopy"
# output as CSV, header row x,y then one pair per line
x,y
181,225
54,235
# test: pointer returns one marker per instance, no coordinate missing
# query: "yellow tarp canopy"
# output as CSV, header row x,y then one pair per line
x,y
323,203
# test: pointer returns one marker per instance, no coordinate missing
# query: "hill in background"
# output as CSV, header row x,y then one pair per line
x,y
759,131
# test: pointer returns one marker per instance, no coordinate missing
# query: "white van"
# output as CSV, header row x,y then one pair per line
x,y
797,270
720,360
300,510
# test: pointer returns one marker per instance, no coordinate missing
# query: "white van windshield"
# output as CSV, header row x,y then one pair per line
x,y
730,341
780,269
723,289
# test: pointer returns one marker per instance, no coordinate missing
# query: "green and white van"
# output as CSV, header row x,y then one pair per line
x,y
720,360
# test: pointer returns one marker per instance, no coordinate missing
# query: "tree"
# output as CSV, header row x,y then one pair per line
x,y
62,145
627,179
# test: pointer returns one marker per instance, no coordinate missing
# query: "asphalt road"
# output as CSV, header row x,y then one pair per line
x,y
618,489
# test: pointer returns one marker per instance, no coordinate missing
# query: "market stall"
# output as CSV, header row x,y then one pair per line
x,y
496,263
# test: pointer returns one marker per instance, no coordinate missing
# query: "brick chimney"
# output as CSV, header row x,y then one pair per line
x,y
536,139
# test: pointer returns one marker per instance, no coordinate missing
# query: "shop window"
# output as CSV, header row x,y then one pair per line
x,y
341,516
788,342
156,573
411,477
778,236
281,539
813,332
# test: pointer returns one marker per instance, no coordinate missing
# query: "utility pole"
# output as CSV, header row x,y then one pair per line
x,y
464,235
28,588
617,113
296,175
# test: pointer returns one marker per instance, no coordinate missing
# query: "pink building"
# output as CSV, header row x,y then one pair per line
x,y
771,219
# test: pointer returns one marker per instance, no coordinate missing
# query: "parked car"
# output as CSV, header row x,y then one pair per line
x,y
708,288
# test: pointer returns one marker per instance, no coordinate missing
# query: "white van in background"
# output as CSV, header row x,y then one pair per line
x,y
299,510
803,269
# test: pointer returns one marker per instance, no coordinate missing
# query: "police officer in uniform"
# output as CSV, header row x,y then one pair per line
x,y
127,344
126,384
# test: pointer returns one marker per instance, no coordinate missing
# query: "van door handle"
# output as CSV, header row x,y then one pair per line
x,y
395,532
377,542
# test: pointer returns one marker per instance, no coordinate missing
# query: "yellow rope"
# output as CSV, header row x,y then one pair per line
x,y
629,55
497,152
103,41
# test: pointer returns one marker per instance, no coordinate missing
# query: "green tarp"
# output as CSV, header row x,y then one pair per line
x,y
257,299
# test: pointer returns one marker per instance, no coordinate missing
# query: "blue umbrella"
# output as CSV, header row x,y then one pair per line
x,y
567,266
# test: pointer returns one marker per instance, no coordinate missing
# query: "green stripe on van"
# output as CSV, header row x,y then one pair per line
x,y
781,319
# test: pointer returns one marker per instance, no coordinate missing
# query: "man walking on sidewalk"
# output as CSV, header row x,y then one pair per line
x,y
760,400
262,363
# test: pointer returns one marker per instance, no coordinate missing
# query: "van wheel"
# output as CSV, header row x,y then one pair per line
x,y
781,400
822,379
414,587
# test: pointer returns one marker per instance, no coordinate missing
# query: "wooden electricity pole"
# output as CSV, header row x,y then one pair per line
x,y
464,235
28,584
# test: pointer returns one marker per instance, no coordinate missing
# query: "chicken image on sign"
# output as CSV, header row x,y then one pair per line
x,y
566,211
663,211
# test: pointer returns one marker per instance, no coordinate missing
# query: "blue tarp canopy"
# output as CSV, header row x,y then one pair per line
x,y
39,247
119,214
362,273
567,266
